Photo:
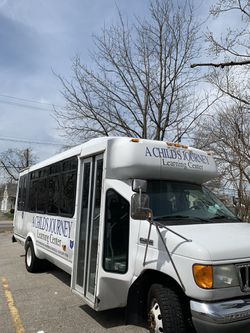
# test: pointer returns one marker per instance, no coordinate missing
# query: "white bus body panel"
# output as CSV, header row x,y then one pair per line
x,y
52,236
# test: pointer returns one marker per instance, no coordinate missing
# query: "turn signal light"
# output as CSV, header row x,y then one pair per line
x,y
203,276
135,140
177,145
210,153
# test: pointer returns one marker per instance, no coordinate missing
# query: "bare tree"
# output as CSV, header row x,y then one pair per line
x,y
234,42
12,161
232,48
227,133
141,84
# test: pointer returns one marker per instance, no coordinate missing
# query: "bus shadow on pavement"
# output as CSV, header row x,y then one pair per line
x,y
58,273
108,318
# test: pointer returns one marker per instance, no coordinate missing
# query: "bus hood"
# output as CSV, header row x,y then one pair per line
x,y
212,242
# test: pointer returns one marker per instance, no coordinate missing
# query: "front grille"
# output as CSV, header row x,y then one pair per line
x,y
244,276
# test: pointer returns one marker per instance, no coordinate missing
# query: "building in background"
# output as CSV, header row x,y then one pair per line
x,y
7,197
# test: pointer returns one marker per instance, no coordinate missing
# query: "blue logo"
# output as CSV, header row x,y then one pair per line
x,y
71,244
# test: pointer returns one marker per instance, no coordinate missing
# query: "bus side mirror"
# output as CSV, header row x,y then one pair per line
x,y
140,207
139,185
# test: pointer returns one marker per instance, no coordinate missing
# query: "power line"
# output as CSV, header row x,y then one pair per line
x,y
2,138
31,101
26,106
29,106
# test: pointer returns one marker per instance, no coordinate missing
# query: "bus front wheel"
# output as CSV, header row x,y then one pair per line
x,y
165,314
31,261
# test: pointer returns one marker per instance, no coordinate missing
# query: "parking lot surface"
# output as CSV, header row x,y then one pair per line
x,y
43,302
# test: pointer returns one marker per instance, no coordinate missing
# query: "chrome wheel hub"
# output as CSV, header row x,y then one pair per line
x,y
28,257
155,319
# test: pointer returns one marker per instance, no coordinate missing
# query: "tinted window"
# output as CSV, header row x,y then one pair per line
x,y
83,223
41,196
52,189
116,233
68,193
95,226
53,195
33,195
22,192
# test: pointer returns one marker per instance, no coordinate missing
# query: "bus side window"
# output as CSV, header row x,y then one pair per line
x,y
41,196
22,193
68,193
53,195
50,190
116,236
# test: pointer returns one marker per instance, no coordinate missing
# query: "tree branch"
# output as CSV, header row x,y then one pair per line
x,y
222,64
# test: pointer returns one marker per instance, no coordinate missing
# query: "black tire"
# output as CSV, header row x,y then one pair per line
x,y
32,263
165,313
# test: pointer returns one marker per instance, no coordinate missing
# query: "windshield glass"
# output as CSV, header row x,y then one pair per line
x,y
184,203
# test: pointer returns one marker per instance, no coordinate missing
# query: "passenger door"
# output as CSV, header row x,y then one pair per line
x,y
20,223
87,230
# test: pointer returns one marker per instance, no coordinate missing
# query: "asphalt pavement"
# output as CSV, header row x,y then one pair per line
x,y
5,224
43,302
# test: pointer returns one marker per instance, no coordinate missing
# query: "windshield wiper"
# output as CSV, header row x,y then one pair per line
x,y
219,217
163,217
225,217
180,217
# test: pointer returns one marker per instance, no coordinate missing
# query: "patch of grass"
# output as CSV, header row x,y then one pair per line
x,y
9,216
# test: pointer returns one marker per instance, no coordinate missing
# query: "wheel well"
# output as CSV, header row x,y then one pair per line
x,y
138,295
28,239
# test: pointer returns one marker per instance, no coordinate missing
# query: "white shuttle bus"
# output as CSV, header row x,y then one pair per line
x,y
132,223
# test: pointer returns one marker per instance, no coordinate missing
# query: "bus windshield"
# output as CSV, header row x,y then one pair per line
x,y
184,203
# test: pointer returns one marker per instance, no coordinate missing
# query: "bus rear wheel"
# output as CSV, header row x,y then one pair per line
x,y
32,263
165,314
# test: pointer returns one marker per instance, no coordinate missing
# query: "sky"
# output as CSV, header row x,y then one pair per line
x,y
39,38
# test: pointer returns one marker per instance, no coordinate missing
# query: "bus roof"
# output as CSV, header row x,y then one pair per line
x,y
92,146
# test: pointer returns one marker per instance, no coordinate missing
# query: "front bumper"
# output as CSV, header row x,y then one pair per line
x,y
226,316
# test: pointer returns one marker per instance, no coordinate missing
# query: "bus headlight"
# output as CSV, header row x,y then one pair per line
x,y
213,277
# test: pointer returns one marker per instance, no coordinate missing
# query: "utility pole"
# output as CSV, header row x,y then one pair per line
x,y
27,157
